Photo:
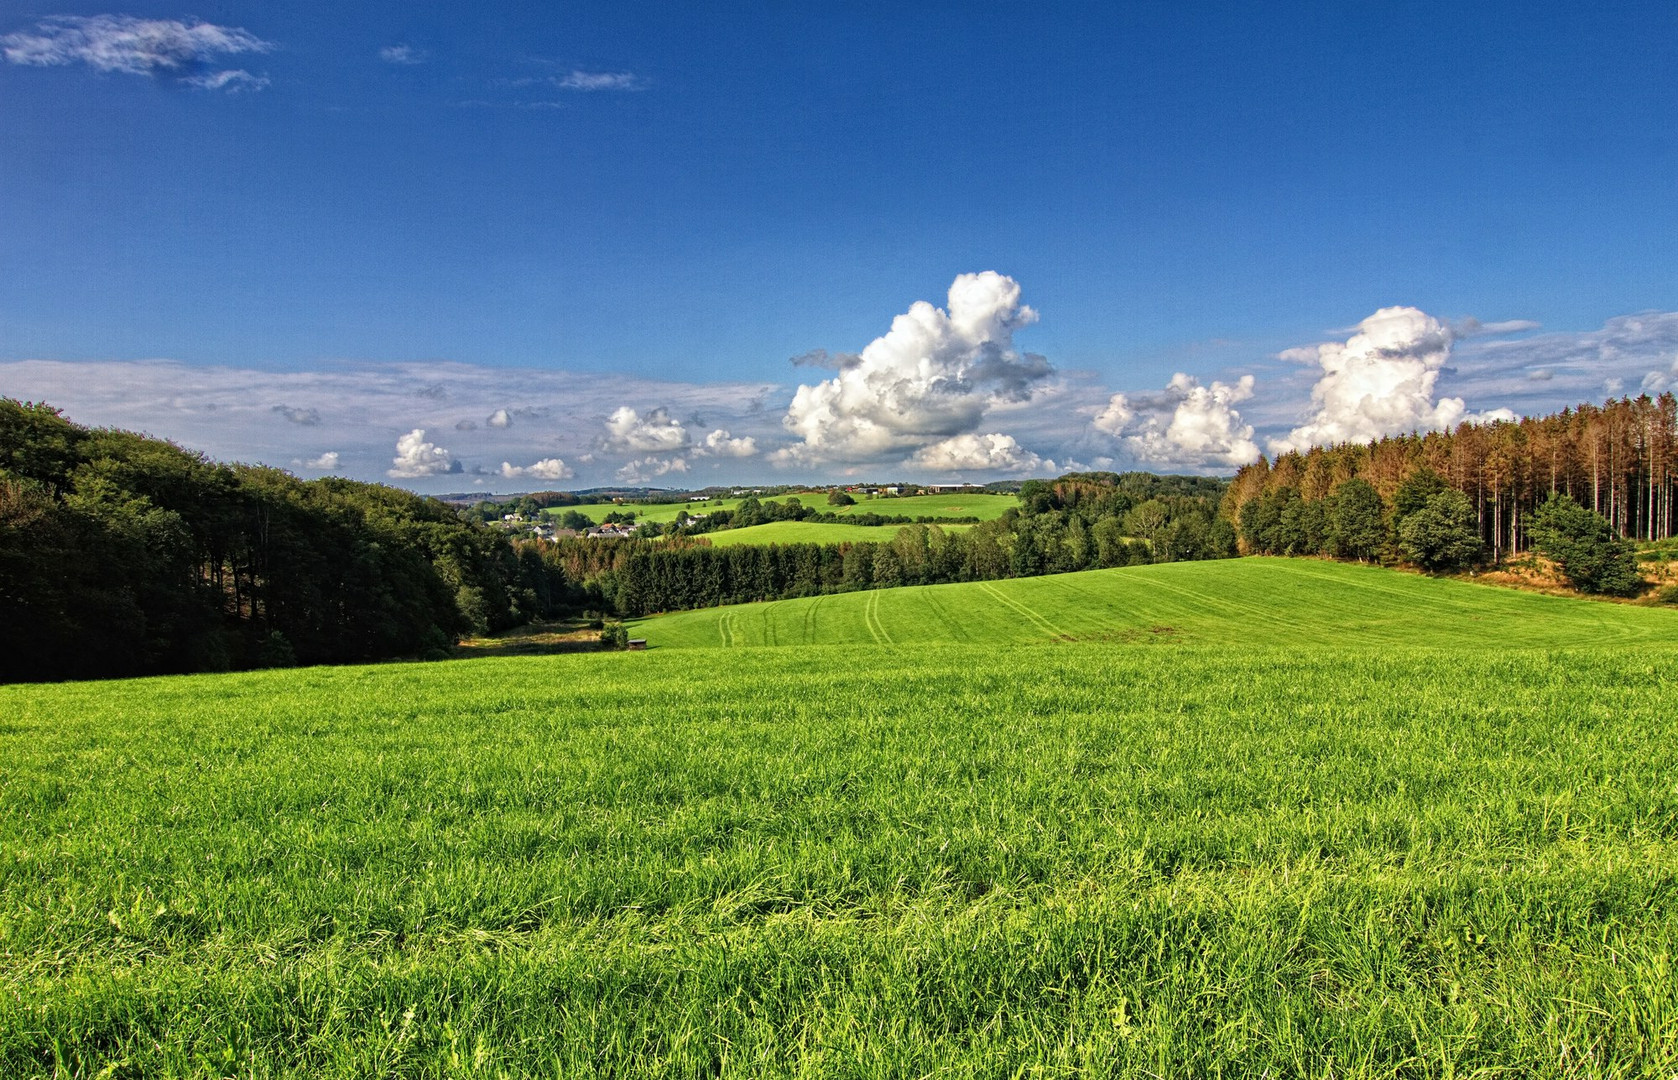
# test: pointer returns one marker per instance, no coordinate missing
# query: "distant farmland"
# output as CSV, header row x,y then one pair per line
x,y
808,532
982,506
1234,602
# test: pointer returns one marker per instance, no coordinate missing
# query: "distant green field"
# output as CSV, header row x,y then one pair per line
x,y
983,507
1235,601
1272,854
665,512
805,532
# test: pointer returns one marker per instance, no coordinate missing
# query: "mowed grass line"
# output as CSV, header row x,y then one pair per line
x,y
930,860
1252,601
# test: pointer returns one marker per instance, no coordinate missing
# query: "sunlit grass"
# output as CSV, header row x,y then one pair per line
x,y
1237,602
1319,859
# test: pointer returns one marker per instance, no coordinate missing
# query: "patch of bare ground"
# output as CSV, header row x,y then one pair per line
x,y
1532,572
537,639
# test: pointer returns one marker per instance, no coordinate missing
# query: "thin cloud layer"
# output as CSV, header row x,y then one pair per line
x,y
403,55
162,48
1187,425
932,377
600,80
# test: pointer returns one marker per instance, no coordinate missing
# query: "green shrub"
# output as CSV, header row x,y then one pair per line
x,y
1585,547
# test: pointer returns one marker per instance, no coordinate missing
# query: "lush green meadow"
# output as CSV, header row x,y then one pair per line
x,y
982,506
1303,602
808,532
1306,850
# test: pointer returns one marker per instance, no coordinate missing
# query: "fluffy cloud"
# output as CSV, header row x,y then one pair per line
x,y
499,419
933,376
416,458
1379,382
977,453
327,462
1187,425
547,469
162,48
650,468
720,443
657,432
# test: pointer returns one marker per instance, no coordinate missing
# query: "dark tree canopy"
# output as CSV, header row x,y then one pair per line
x,y
1442,535
1583,545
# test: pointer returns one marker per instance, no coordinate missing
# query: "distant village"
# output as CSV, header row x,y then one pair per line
x,y
536,524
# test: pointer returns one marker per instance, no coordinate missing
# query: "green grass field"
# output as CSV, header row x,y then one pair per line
x,y
1298,850
1235,601
983,507
806,532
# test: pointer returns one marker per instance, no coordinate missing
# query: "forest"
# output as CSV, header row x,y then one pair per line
x,y
122,555
1616,459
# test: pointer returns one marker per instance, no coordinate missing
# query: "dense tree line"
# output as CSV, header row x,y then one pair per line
x,y
1080,522
1619,459
1596,476
121,554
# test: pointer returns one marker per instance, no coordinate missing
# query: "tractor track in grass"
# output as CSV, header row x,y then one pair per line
x,y
1024,609
871,619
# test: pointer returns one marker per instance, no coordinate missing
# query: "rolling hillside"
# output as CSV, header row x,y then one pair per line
x,y
1237,601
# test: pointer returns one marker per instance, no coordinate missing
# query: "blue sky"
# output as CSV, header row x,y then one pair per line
x,y
589,239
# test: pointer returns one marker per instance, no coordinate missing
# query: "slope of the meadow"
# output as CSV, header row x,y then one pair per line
x,y
1235,601
1287,859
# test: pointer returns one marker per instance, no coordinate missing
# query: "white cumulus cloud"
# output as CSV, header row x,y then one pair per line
x,y
657,432
720,443
547,469
932,377
327,462
1188,424
650,468
1378,382
417,458
499,419
163,48
977,453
